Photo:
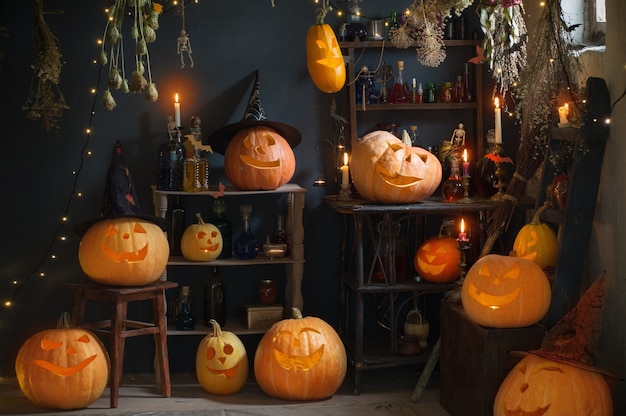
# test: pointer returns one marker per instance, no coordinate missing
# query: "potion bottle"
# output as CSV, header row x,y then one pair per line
x,y
452,189
399,92
246,246
214,298
221,221
176,216
185,321
170,159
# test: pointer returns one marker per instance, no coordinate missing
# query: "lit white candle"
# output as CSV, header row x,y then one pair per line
x,y
498,122
176,110
345,170
563,113
466,164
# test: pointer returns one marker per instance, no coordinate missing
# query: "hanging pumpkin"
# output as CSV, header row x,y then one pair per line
x,y
258,158
124,251
539,386
387,171
505,292
324,58
64,368
537,242
202,241
438,259
300,359
221,362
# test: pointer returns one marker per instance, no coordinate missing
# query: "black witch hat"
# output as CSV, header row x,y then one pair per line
x,y
254,116
120,199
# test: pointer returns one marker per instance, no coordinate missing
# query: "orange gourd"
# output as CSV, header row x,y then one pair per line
x,y
537,242
64,368
300,359
539,386
124,251
385,170
221,362
505,292
324,58
258,158
438,259
202,241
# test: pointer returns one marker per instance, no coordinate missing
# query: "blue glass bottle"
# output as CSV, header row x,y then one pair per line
x,y
246,247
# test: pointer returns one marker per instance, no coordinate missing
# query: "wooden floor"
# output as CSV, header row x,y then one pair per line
x,y
383,391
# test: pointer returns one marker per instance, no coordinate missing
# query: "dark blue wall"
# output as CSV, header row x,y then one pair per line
x,y
230,40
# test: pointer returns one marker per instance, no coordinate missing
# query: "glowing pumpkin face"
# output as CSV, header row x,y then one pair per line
x,y
300,359
124,252
324,58
437,260
505,292
221,362
258,158
537,386
386,170
62,368
537,242
201,241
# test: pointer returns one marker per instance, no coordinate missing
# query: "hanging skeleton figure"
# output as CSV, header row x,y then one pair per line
x,y
184,46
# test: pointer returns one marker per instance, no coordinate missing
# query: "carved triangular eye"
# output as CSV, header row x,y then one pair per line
x,y
513,272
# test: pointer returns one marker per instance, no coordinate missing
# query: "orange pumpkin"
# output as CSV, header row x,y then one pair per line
x,y
505,292
537,242
258,158
124,251
438,259
387,171
324,58
539,386
221,362
202,241
63,368
300,359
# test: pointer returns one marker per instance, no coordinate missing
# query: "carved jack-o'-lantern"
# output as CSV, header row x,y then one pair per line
x,y
537,242
386,170
437,260
324,58
505,292
64,368
221,362
300,359
539,386
202,241
258,158
123,251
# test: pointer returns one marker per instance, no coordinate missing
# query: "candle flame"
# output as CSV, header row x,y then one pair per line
x,y
464,155
497,102
462,225
176,97
345,158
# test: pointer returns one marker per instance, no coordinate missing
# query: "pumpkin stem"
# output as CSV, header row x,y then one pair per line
x,y
537,217
64,321
217,329
199,217
322,11
296,313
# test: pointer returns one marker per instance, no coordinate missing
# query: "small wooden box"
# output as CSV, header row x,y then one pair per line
x,y
474,360
256,316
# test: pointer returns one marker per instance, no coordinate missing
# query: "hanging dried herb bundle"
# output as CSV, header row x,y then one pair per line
x,y
551,76
45,100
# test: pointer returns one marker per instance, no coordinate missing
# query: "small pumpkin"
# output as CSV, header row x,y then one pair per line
x,y
258,158
124,251
64,368
537,242
324,58
437,259
387,171
300,359
417,326
202,241
505,292
539,386
221,362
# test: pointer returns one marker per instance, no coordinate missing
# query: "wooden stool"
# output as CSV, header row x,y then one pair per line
x,y
118,328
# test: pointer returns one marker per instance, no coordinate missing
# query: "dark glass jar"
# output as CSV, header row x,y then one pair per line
x,y
268,291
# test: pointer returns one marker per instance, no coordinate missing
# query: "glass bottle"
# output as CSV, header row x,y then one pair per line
x,y
185,320
268,291
415,139
170,159
221,221
420,94
196,172
452,189
430,94
399,92
246,247
459,90
469,97
446,92
280,236
176,216
214,298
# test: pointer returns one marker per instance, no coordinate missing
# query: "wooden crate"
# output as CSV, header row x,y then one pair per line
x,y
475,360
